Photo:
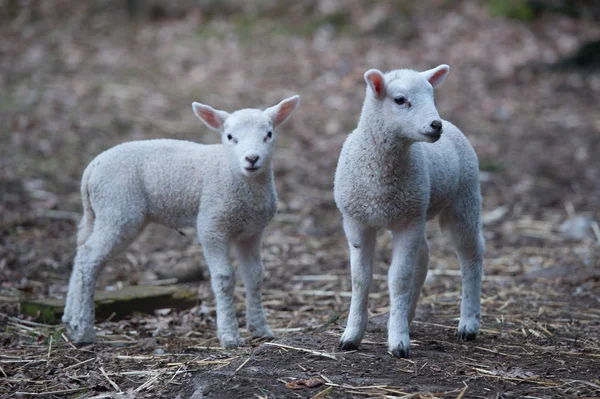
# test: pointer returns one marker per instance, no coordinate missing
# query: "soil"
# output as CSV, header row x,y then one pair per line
x,y
78,78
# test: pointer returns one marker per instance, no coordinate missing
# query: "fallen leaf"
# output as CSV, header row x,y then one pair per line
x,y
511,372
309,383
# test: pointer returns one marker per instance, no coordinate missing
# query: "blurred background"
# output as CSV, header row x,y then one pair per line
x,y
80,77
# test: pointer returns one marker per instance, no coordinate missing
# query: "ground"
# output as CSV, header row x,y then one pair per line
x,y
78,78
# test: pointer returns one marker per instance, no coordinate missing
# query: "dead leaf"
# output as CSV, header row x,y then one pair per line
x,y
511,372
309,383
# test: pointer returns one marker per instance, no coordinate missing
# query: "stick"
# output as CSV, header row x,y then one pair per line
x,y
50,346
80,363
50,392
323,354
114,384
242,365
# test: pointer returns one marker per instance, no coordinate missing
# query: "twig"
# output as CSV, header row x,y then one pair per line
x,y
175,374
323,354
68,341
322,393
114,384
79,364
50,392
50,345
242,365
462,392
146,384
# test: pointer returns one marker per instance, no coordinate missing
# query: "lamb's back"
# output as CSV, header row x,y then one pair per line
x,y
161,178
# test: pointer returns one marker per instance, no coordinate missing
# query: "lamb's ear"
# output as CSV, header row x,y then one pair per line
x,y
436,75
280,112
213,118
376,82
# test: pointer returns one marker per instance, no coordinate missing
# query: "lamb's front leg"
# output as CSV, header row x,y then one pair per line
x,y
251,266
361,240
222,276
406,243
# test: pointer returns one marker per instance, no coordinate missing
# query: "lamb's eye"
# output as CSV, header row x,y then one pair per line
x,y
270,134
400,100
229,137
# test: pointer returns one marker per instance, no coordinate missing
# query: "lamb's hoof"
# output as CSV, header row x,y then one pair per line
x,y
80,334
348,346
467,331
261,333
230,341
401,351
466,335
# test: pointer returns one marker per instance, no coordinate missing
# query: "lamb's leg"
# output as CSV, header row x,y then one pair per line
x,y
222,277
251,266
104,241
419,277
464,226
361,240
407,242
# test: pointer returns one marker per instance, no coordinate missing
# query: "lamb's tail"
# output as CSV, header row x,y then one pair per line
x,y
87,221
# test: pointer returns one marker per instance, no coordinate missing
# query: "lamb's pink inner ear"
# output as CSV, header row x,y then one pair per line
x,y
212,119
438,76
280,112
284,111
377,83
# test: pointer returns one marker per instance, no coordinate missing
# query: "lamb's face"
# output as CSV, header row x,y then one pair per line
x,y
408,107
249,138
404,98
248,134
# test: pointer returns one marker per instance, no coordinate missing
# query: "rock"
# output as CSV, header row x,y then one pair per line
x,y
123,302
184,271
578,227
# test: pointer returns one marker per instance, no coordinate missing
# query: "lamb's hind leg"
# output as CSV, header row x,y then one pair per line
x,y
105,240
463,222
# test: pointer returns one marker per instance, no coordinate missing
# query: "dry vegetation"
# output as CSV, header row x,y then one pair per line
x,y
79,77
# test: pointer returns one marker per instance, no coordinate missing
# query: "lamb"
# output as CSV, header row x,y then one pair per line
x,y
224,190
400,167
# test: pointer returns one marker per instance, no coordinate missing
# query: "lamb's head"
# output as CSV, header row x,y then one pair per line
x,y
248,134
402,101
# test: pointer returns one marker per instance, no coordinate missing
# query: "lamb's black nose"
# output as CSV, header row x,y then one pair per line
x,y
252,159
437,125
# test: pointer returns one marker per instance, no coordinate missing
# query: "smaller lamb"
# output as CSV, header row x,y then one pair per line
x,y
397,170
224,190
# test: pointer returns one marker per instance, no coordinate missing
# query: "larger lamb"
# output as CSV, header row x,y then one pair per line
x,y
224,190
401,166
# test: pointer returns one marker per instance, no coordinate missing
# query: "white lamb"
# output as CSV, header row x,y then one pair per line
x,y
391,175
224,190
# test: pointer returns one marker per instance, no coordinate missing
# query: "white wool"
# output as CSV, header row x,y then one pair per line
x,y
396,171
225,190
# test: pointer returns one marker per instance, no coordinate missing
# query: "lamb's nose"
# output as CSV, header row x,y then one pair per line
x,y
252,159
437,125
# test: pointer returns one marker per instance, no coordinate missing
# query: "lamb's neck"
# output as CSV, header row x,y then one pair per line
x,y
256,184
379,150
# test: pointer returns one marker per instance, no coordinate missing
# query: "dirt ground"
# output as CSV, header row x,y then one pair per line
x,y
80,77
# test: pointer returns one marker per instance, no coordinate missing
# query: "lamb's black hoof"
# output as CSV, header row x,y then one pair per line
x,y
467,335
401,352
348,346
